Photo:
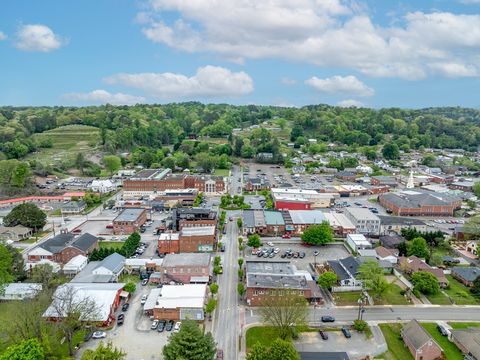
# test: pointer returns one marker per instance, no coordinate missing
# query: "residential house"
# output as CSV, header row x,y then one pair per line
x,y
390,255
106,271
15,233
391,241
63,247
346,175
364,220
73,207
466,274
468,341
346,271
20,291
421,344
413,264
323,355
181,302
186,268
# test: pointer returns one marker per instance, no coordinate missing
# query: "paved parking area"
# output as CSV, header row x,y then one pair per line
x,y
357,347
254,201
328,252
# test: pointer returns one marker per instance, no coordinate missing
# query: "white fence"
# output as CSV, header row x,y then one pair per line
x,y
346,288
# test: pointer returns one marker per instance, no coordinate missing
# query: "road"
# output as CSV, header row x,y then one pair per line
x,y
389,313
227,322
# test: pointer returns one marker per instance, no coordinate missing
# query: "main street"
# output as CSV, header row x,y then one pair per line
x,y
387,313
227,321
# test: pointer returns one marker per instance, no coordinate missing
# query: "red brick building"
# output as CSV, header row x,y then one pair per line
x,y
64,247
129,221
421,344
188,240
186,268
413,203
180,302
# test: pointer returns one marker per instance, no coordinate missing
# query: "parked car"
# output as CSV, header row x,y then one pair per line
x,y
327,318
346,332
177,326
88,335
169,325
154,324
144,299
161,325
323,334
276,251
269,243
99,335
441,329
302,255
144,282
125,306
286,236
120,319
219,354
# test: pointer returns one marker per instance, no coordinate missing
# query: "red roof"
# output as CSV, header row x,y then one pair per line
x,y
31,198
76,194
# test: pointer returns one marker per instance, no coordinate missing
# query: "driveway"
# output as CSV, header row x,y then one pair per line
x,y
357,347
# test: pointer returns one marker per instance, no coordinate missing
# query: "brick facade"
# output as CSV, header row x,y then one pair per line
x,y
166,314
255,296
201,183
129,227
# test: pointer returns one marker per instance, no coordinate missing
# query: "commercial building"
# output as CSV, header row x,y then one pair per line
x,y
192,217
20,291
186,268
358,242
389,181
462,185
341,225
75,265
300,199
15,233
73,207
102,186
181,302
421,344
189,239
171,198
395,224
256,184
63,247
420,203
267,279
300,220
129,221
364,220
106,271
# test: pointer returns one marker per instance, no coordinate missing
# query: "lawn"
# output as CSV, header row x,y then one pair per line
x,y
392,296
62,350
396,348
438,299
464,325
111,244
221,172
450,349
347,298
460,293
265,335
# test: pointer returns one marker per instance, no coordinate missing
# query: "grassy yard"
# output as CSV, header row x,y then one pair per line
x,y
110,244
265,335
126,278
392,296
460,293
450,349
346,298
396,348
464,325
221,172
438,299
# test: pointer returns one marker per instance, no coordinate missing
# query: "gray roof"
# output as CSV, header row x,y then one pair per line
x,y
469,273
57,243
129,214
417,335
85,241
416,199
248,219
324,355
338,269
186,259
113,262
469,339
271,267
397,220
272,281
362,214
391,241
345,268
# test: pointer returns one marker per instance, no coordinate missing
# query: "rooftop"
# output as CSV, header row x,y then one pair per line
x,y
273,218
416,334
182,296
416,199
307,216
397,220
190,259
362,213
169,236
270,267
198,231
129,214
272,281
469,273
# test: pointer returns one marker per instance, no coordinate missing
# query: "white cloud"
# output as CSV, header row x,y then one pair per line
x,y
324,33
287,81
350,103
340,84
104,97
37,38
208,82
2,36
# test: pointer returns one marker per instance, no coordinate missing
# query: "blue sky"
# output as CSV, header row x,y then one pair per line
x,y
368,53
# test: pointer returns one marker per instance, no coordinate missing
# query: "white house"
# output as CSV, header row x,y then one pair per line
x,y
358,241
20,291
75,265
102,186
112,265
390,255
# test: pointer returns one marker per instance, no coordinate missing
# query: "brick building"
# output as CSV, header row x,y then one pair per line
x,y
389,181
188,240
180,302
421,344
186,268
416,203
192,217
63,247
129,221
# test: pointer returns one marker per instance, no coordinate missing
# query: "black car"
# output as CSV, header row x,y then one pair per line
x,y
328,319
442,330
302,255
88,335
125,306
169,325
323,334
120,319
161,325
283,256
346,332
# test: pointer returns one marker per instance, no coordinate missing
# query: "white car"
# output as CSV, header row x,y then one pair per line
x,y
176,328
99,335
276,251
144,299
154,324
269,243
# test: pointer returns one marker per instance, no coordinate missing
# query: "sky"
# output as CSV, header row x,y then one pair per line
x,y
372,53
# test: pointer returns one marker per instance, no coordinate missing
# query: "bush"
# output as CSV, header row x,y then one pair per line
x,y
360,325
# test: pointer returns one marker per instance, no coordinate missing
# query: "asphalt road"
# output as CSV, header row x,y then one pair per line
x,y
389,313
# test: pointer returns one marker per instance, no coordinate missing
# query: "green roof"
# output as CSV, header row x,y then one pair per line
x,y
274,218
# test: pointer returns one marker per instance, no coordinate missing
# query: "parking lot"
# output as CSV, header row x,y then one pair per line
x,y
328,252
276,174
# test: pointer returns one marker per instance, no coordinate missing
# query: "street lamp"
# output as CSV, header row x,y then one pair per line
x,y
361,307
315,254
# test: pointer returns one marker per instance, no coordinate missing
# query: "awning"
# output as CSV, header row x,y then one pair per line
x,y
124,294
199,279
289,228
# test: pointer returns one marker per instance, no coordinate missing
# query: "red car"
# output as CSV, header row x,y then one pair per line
x,y
286,236
219,354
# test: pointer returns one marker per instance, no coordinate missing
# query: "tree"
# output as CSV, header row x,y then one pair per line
x,y
240,262
254,241
43,274
112,163
130,287
217,270
327,280
72,311
476,189
475,289
217,260
258,352
6,261
25,350
80,162
429,160
240,289
104,352
418,247
283,350
189,343
284,311
211,305
18,264
239,223
214,288
425,282
391,151
28,215
371,273
360,325
318,234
